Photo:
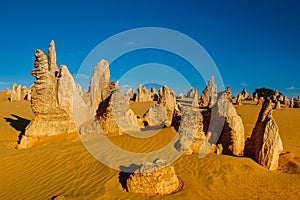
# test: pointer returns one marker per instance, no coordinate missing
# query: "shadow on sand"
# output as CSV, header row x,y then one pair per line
x,y
18,123
125,174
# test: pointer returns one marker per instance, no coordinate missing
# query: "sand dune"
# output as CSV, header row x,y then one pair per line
x,y
61,165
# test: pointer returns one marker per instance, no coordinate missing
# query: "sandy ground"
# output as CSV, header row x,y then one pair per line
x,y
61,165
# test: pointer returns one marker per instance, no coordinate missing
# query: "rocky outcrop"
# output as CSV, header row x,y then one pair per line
x,y
154,94
255,97
265,145
168,101
260,101
8,91
143,94
20,93
100,86
191,93
52,99
209,95
190,130
228,94
232,137
292,103
239,99
286,101
153,178
195,102
242,96
296,103
129,93
83,111
277,105
15,93
180,96
114,115
155,116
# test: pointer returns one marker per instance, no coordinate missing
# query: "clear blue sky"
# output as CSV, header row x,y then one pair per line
x,y
253,43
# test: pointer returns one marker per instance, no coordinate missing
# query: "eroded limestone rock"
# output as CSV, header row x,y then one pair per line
x,y
52,99
154,178
114,115
190,130
100,86
265,145
143,94
233,136
156,115
15,93
209,95
168,101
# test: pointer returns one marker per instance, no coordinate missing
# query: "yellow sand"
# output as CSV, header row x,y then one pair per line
x,y
61,165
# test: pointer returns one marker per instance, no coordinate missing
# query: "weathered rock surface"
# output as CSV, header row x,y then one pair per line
x,y
154,94
168,101
260,101
8,91
154,178
52,99
209,95
233,136
195,102
292,104
296,103
242,96
114,115
239,99
191,93
228,94
255,97
143,94
265,145
180,96
100,86
277,105
190,130
15,93
129,93
286,101
156,115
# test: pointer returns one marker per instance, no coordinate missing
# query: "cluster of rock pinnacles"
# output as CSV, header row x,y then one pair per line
x,y
58,104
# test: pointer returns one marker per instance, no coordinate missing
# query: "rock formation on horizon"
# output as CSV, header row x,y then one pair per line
x,y
153,178
260,101
52,99
142,94
286,101
130,93
209,95
242,96
168,101
191,93
15,93
296,102
228,94
265,145
154,94
195,102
